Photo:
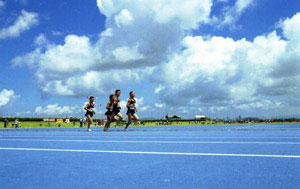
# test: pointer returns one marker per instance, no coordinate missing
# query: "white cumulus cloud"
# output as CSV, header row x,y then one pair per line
x,y
157,105
7,97
51,110
138,36
158,89
23,23
149,40
123,18
221,71
232,14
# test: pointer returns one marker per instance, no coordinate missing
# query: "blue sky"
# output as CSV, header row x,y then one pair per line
x,y
219,57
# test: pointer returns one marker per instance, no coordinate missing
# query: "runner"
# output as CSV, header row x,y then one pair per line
x,y
116,110
109,111
131,112
90,112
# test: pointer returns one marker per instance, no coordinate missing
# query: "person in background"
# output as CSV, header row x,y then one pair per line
x,y
81,122
84,121
5,122
17,123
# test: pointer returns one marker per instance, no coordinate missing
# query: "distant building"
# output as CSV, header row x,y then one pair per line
x,y
200,117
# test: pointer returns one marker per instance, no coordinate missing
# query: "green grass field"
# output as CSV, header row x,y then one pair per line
x,y
32,124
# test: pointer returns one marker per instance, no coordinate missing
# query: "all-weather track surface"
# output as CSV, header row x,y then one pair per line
x,y
243,156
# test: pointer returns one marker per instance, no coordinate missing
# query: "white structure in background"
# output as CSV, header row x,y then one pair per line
x,y
200,117
67,121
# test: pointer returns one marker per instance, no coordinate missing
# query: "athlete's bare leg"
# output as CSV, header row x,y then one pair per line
x,y
120,118
130,118
109,121
90,121
135,118
129,121
108,118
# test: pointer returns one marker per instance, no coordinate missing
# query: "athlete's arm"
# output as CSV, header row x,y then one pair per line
x,y
86,107
115,100
135,107
108,105
128,103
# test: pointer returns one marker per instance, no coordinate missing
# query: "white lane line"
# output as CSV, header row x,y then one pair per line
x,y
160,137
153,153
157,142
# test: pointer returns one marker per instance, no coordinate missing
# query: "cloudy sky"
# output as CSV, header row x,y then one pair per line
x,y
216,57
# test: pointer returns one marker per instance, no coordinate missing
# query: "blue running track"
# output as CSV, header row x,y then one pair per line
x,y
244,156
